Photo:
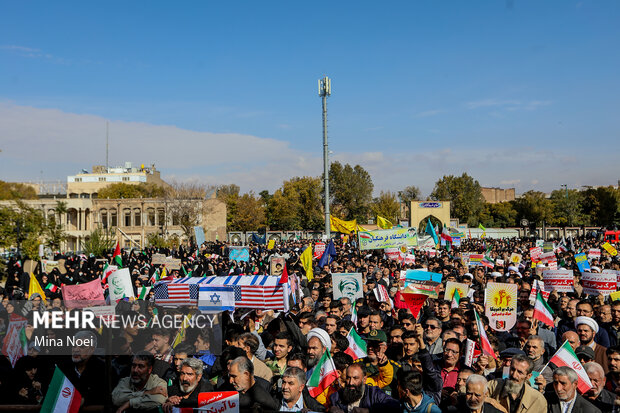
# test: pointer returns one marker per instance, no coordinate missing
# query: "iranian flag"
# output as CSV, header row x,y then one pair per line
x,y
117,256
446,235
565,356
456,298
144,292
485,344
357,346
324,374
62,396
354,314
107,271
53,288
542,311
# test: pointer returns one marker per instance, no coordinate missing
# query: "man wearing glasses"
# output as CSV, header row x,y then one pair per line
x,y
432,333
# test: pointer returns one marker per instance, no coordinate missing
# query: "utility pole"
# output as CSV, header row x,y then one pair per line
x,y
325,90
107,145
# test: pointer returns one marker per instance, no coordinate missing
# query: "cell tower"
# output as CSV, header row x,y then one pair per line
x,y
325,90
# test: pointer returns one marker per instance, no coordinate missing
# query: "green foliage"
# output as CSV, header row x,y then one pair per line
x,y
297,205
387,206
567,207
14,191
21,225
350,191
410,193
464,194
156,240
250,213
230,195
99,242
500,215
534,207
600,205
122,190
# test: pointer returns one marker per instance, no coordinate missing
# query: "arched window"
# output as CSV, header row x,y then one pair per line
x,y
104,218
113,218
150,217
137,217
127,217
161,216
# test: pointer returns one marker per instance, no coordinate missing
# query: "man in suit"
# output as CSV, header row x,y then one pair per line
x,y
564,398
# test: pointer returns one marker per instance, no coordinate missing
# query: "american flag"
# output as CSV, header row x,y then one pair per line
x,y
251,291
178,292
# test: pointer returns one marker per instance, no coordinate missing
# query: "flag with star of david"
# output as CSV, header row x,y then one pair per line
x,y
216,298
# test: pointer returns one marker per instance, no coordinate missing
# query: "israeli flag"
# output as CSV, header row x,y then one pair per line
x,y
215,299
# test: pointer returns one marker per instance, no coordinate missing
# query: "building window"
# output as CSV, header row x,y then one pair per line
x,y
113,218
127,215
161,217
125,178
137,217
102,179
78,179
150,217
104,219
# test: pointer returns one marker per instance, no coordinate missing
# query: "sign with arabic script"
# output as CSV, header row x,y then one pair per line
x,y
429,204
219,402
387,238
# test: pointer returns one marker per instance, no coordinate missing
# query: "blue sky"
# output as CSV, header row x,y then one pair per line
x,y
518,94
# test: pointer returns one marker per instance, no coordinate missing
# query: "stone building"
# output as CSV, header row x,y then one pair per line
x,y
495,195
130,220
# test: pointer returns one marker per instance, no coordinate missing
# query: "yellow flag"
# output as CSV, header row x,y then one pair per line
x,y
610,249
384,223
306,262
181,333
35,287
361,228
338,225
271,244
164,274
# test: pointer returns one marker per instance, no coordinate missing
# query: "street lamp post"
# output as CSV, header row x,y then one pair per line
x,y
325,90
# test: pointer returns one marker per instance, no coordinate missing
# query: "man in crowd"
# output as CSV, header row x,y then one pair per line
x,y
141,391
251,396
293,398
565,397
357,394
249,343
514,393
586,330
432,332
598,395
184,391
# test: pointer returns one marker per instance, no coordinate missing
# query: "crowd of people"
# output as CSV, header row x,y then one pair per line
x,y
412,364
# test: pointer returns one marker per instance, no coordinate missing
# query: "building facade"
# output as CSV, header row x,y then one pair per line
x,y
495,195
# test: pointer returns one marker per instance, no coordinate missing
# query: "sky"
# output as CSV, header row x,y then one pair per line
x,y
522,94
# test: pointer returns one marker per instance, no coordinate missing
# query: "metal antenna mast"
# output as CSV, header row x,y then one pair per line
x,y
107,145
325,90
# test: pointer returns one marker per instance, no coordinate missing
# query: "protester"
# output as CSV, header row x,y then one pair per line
x,y
564,397
141,391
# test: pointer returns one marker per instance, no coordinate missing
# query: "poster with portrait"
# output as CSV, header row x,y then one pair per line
x,y
120,285
500,303
276,265
348,285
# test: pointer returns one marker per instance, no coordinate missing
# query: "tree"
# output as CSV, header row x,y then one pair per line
x,y
500,215
185,205
122,190
410,193
535,207
464,194
14,191
230,195
297,205
567,205
387,206
250,213
601,206
350,191
99,242
22,226
53,230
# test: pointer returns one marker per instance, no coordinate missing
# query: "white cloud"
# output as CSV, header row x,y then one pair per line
x,y
60,144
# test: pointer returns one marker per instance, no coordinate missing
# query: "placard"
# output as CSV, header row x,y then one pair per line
x,y
582,262
535,253
558,280
616,273
429,288
158,259
475,259
414,302
452,286
120,285
393,254
540,243
276,265
220,402
535,287
598,283
594,253
347,285
500,303
515,258
547,256
172,263
49,265
610,249
319,249
84,295
548,246
199,234
387,238
239,254
423,275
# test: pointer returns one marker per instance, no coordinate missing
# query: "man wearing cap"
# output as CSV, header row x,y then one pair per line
x,y
378,367
587,329
505,358
585,354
